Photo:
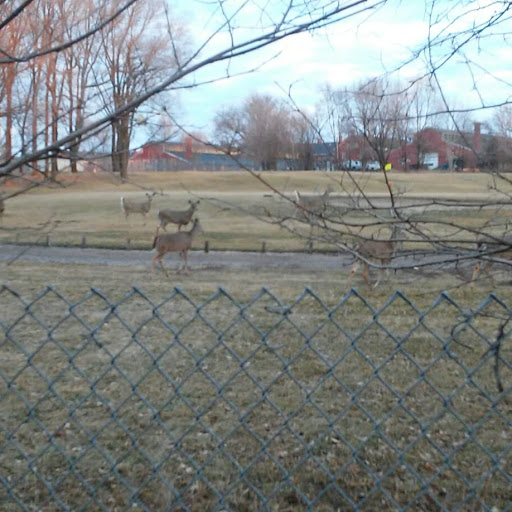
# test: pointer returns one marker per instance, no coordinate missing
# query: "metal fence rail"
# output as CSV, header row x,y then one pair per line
x,y
139,403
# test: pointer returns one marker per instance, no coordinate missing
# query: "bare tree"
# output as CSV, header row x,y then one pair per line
x,y
79,63
500,144
131,59
375,112
10,41
111,23
260,129
303,135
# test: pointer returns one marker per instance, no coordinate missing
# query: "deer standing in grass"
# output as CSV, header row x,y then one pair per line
x,y
380,251
174,242
309,208
180,217
143,207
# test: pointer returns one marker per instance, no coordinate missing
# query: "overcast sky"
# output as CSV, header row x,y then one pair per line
x,y
352,50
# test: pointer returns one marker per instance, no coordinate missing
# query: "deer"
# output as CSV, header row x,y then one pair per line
x,y
174,242
182,218
312,204
380,251
143,208
492,249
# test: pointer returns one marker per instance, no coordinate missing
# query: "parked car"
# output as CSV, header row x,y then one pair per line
x,y
372,166
352,165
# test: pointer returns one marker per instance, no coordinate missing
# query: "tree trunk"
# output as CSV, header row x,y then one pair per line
x,y
121,145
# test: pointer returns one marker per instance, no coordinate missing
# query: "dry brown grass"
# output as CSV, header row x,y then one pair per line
x,y
233,210
316,406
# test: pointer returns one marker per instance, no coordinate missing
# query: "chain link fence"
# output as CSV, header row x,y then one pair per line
x,y
183,404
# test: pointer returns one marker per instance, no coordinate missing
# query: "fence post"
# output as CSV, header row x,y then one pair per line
x,y
264,247
47,240
127,243
84,242
206,246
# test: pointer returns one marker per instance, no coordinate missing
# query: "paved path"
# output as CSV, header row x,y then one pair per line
x,y
213,259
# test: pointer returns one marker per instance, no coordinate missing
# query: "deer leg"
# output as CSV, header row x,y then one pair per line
x,y
162,265
180,269
158,257
476,270
353,272
153,261
366,274
185,261
382,271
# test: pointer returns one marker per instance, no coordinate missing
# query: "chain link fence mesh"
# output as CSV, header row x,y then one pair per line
x,y
187,405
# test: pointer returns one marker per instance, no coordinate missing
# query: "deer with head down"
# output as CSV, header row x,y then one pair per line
x,y
174,242
179,217
129,206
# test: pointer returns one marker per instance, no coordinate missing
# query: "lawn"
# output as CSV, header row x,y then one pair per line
x,y
172,394
237,210
241,391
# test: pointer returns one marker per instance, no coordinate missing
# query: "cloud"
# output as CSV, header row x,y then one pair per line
x,y
342,54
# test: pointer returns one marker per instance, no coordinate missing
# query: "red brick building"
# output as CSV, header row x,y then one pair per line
x,y
433,149
177,156
427,149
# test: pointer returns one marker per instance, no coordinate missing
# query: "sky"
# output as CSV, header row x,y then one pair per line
x,y
352,50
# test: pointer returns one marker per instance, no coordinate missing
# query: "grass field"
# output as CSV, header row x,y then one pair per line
x,y
235,210
131,397
342,402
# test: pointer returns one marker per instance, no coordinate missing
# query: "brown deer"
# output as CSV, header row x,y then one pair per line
x,y
182,218
311,207
174,242
129,206
380,251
